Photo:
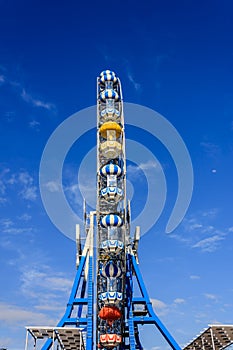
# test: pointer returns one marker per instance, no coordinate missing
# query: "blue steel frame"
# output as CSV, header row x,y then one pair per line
x,y
133,321
85,322
83,284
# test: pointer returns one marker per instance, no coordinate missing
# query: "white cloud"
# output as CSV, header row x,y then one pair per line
x,y
2,187
54,306
34,124
194,277
3,200
9,116
211,296
62,284
41,283
14,315
149,165
26,189
88,191
195,223
108,57
132,171
9,227
6,341
53,186
209,244
12,180
135,84
25,217
159,306
211,213
73,189
6,223
29,193
28,98
179,301
200,234
16,231
143,169
3,175
35,102
211,150
194,226
85,189
25,178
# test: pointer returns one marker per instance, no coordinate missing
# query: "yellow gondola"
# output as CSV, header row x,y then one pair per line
x,y
107,127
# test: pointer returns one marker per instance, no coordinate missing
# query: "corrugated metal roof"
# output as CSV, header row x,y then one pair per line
x,y
69,338
215,337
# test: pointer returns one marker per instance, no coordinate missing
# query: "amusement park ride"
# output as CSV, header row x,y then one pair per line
x,y
103,311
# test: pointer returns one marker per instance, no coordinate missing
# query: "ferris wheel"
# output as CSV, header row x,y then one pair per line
x,y
102,311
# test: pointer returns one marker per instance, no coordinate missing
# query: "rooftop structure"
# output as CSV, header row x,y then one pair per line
x,y
215,337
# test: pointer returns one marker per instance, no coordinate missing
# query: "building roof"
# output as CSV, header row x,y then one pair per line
x,y
69,338
215,337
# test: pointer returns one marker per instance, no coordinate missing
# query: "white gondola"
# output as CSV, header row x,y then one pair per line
x,y
111,194
110,114
111,297
112,246
111,149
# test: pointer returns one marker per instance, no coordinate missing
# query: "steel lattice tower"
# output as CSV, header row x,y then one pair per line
x,y
114,323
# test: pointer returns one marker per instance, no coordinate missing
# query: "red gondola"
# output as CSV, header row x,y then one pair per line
x,y
110,340
110,313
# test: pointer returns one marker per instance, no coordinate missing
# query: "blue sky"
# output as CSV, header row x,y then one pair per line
x,y
173,57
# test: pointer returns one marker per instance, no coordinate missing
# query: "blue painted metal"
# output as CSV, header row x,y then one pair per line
x,y
152,318
78,321
112,259
80,305
129,295
89,341
132,341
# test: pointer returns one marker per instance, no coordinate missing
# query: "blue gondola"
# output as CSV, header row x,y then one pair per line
x,y
110,169
111,220
108,75
111,270
109,93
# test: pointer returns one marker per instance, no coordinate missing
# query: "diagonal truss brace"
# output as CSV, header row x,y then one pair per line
x,y
145,316
83,280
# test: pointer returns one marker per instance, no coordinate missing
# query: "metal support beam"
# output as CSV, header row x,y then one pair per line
x,y
89,341
86,261
152,318
117,316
